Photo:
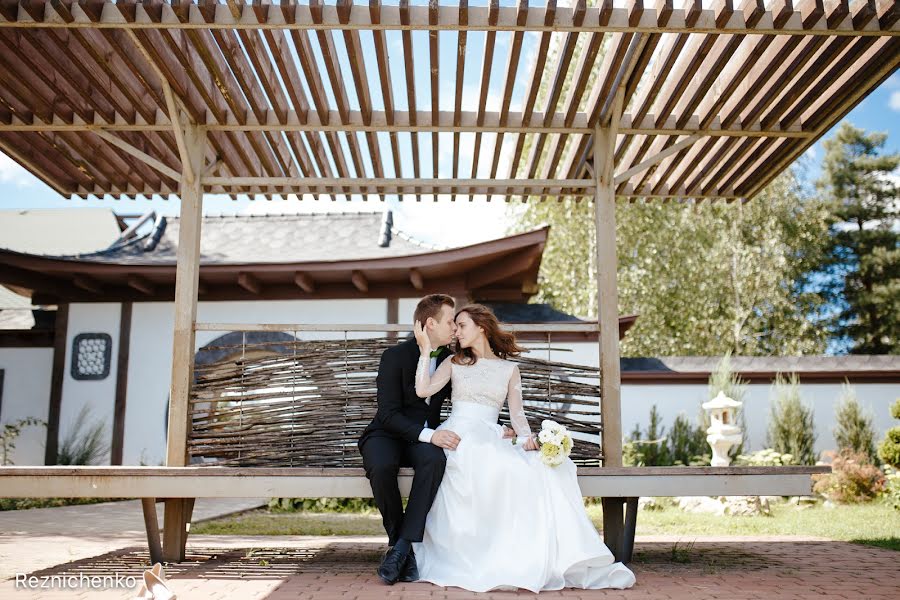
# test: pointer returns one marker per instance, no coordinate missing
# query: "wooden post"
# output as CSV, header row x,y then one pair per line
x,y
60,345
187,277
393,313
607,317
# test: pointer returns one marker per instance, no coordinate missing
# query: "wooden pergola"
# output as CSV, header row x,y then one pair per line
x,y
664,102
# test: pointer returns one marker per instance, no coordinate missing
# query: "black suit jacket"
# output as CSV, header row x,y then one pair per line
x,y
401,413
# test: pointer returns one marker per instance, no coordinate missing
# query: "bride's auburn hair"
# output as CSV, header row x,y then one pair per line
x,y
502,343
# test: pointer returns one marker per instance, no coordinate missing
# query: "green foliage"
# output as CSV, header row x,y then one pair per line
x,y
766,458
853,479
86,443
705,279
853,431
862,260
791,425
895,409
11,431
649,448
892,487
889,449
321,505
687,443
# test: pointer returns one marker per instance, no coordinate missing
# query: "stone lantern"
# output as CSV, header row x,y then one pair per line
x,y
723,432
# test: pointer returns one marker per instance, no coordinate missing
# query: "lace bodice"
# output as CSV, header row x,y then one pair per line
x,y
488,382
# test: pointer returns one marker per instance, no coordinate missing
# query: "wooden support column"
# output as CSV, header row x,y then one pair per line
x,y
118,433
393,314
187,278
607,317
57,376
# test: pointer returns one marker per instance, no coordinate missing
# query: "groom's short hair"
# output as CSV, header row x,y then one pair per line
x,y
430,306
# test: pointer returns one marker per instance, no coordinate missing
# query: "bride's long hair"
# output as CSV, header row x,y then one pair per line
x,y
502,343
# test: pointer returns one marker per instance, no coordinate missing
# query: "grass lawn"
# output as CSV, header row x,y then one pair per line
x,y
875,524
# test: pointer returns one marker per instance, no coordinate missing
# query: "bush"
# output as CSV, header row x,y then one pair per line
x,y
648,449
687,443
852,479
889,450
359,505
8,437
895,409
791,426
766,458
85,444
854,431
892,487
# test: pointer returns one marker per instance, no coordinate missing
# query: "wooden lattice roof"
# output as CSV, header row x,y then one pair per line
x,y
302,98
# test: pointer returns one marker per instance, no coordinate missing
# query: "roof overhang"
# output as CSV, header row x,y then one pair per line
x,y
504,269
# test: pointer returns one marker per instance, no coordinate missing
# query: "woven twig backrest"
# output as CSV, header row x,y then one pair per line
x,y
305,403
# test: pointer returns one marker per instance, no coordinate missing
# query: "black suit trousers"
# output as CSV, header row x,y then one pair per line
x,y
382,457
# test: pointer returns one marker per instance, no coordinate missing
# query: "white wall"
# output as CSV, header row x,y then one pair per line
x,y
672,398
26,393
98,395
151,351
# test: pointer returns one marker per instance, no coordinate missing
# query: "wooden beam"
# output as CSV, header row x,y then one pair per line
x,y
249,283
57,376
393,314
359,281
626,175
118,432
603,18
87,283
415,278
141,284
143,156
607,294
304,282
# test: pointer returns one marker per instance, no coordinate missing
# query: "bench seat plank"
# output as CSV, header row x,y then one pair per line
x,y
252,482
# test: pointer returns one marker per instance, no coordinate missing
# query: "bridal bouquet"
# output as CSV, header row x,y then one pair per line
x,y
555,443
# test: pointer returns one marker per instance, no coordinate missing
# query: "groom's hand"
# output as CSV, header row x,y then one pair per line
x,y
444,438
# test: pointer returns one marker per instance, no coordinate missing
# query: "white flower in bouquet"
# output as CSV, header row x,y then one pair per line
x,y
556,443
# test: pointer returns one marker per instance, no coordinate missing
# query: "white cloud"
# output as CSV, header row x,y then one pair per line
x,y
894,101
13,173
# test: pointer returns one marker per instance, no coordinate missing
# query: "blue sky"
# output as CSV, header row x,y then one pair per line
x,y
439,222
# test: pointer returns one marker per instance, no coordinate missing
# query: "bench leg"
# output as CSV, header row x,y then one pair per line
x,y
631,510
151,524
176,526
613,526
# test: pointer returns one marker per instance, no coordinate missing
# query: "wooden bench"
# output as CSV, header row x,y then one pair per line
x,y
620,489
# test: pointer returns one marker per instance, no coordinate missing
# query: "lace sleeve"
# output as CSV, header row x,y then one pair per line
x,y
426,384
516,406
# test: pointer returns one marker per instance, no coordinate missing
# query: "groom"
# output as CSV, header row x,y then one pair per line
x,y
402,434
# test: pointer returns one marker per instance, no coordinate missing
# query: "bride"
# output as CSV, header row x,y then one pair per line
x,y
501,518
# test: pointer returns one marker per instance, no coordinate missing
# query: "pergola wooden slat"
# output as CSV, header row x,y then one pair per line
x,y
202,96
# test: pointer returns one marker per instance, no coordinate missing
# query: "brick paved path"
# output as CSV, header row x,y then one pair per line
x,y
323,568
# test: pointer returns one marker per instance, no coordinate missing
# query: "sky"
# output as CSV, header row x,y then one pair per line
x,y
441,223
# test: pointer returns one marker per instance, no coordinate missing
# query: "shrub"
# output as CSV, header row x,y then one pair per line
x,y
852,479
356,505
895,409
889,450
724,380
766,458
853,431
648,449
687,443
791,426
85,444
8,437
892,487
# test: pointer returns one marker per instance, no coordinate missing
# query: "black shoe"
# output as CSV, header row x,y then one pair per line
x,y
410,569
392,566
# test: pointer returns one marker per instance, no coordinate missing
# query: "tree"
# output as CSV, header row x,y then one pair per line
x,y
862,265
853,430
705,279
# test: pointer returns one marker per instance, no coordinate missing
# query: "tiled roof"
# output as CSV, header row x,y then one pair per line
x,y
510,312
764,364
287,238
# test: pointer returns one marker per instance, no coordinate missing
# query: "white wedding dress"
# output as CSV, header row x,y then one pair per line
x,y
502,519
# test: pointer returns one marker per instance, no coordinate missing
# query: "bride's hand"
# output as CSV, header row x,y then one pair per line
x,y
422,337
531,444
